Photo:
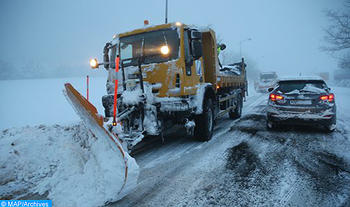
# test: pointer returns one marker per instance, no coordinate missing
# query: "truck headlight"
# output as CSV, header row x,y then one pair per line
x,y
164,49
93,63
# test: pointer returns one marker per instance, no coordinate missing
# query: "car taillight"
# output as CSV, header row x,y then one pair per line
x,y
274,97
329,97
324,98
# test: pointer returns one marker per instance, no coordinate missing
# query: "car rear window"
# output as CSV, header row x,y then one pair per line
x,y
288,86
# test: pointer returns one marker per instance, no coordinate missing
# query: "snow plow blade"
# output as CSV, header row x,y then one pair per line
x,y
94,122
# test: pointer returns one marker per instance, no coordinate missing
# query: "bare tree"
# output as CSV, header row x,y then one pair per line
x,y
344,61
338,35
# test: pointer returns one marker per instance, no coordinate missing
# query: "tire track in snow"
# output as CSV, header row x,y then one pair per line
x,y
177,145
164,162
296,147
262,187
255,110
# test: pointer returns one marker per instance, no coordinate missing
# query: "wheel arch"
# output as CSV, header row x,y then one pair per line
x,y
204,92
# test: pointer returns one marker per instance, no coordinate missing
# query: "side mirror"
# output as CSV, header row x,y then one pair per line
x,y
195,35
196,47
106,61
222,46
270,89
105,55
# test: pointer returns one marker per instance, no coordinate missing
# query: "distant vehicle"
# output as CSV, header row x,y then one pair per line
x,y
301,101
266,80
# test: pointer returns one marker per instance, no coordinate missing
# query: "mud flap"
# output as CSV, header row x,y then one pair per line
x,y
94,122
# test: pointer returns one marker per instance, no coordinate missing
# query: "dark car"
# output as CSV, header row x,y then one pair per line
x,y
301,101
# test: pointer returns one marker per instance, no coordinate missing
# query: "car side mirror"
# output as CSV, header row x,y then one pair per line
x,y
270,89
196,47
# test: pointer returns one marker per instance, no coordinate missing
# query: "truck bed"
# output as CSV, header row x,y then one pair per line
x,y
231,76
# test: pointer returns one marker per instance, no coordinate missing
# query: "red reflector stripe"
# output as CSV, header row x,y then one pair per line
x,y
115,92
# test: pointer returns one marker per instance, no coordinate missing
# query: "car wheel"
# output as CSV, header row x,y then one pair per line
x,y
330,128
205,122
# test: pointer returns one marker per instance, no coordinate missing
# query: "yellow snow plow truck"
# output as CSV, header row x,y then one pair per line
x,y
168,74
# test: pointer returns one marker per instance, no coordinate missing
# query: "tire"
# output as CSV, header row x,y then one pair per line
x,y
205,122
238,110
107,102
270,125
330,128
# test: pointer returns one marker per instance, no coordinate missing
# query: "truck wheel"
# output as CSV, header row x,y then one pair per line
x,y
205,122
234,114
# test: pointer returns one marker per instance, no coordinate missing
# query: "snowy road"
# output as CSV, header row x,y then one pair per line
x,y
243,164
246,165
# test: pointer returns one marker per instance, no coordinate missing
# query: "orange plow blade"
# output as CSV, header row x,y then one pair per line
x,y
128,169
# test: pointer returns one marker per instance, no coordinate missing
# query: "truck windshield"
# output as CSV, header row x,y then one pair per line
x,y
149,46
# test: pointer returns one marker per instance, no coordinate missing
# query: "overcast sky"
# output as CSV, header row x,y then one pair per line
x,y
286,34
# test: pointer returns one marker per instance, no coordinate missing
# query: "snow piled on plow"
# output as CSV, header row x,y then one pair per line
x,y
66,164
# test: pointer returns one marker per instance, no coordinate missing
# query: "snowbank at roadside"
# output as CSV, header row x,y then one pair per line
x,y
66,164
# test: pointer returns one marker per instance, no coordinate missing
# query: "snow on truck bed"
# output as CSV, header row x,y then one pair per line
x,y
230,70
66,164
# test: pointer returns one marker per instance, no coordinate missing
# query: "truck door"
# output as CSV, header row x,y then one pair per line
x,y
188,56
193,67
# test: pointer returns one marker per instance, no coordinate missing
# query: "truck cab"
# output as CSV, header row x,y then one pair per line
x,y
172,56
169,74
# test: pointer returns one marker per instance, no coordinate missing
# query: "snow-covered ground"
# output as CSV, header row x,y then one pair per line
x,y
65,163
41,101
243,165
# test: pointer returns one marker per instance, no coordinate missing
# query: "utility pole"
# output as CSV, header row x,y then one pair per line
x,y
166,11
